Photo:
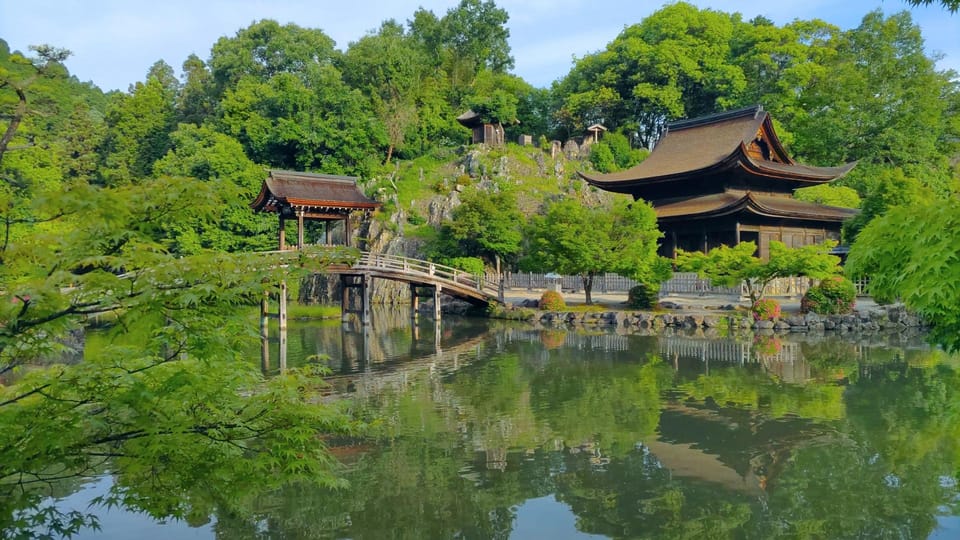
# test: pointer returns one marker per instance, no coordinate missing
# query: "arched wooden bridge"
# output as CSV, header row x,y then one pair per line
x,y
424,277
477,290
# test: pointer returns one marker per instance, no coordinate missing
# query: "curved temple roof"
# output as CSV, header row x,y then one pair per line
x,y
715,145
722,204
311,191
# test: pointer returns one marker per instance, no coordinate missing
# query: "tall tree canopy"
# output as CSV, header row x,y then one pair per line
x,y
675,63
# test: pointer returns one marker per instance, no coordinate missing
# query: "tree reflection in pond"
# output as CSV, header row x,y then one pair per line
x,y
633,437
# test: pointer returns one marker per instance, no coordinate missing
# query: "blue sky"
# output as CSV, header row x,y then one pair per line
x,y
114,42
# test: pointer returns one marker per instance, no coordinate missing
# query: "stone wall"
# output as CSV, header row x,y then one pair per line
x,y
884,318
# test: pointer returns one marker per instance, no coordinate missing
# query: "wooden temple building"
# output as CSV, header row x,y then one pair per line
x,y
482,132
304,196
724,179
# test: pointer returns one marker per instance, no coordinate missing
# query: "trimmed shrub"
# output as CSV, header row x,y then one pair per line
x,y
642,296
552,301
765,309
833,295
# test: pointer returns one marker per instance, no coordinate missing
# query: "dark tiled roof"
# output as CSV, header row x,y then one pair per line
x,y
309,190
469,119
706,145
722,204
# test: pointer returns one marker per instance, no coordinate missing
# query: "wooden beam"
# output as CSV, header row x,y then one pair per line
x,y
300,229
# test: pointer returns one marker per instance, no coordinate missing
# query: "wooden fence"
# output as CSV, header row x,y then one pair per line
x,y
687,283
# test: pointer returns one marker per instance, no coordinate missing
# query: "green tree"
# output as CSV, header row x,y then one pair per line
x,y
830,195
266,49
469,39
571,238
887,187
883,102
317,124
139,125
730,266
18,74
195,100
388,67
167,401
911,253
675,63
950,5
204,154
169,398
487,225
602,158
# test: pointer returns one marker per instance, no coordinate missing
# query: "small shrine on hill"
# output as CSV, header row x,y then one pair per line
x,y
724,179
483,132
304,196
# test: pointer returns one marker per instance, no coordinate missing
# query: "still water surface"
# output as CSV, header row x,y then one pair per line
x,y
493,430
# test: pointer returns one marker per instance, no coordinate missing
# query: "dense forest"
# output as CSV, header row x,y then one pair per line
x,y
282,96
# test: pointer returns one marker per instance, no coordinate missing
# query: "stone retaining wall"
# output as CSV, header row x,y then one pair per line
x,y
890,317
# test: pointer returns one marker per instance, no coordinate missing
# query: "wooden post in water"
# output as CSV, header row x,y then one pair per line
x,y
414,303
436,302
349,283
344,299
365,292
283,349
283,305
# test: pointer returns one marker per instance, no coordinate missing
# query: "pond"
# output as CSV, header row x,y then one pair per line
x,y
496,430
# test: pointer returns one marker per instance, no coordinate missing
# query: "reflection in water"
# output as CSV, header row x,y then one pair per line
x,y
483,430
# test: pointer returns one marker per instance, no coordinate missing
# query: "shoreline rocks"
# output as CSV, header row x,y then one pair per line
x,y
882,318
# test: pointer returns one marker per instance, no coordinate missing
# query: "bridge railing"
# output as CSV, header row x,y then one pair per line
x,y
435,272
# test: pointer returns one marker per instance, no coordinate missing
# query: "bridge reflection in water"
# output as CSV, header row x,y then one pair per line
x,y
394,344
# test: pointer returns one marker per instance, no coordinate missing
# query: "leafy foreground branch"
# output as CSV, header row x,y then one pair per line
x,y
168,403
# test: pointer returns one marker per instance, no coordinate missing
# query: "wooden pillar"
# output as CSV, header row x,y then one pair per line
x,y
346,231
300,229
283,305
326,233
414,302
737,232
673,240
436,303
282,235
